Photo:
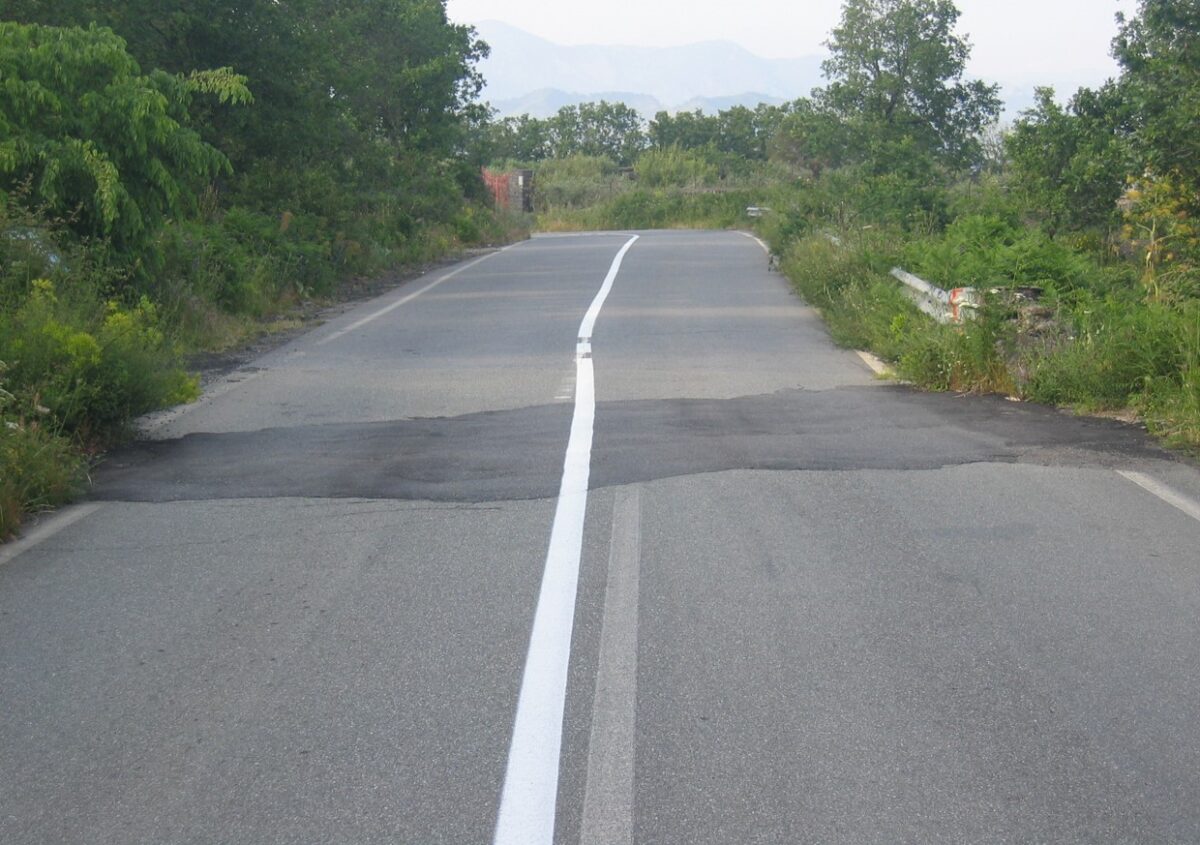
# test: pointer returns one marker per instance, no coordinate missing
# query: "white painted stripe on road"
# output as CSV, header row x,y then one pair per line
x,y
877,367
153,422
608,793
1163,492
45,529
387,309
530,795
758,241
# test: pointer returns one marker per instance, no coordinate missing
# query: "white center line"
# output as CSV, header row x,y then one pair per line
x,y
608,792
530,795
1163,492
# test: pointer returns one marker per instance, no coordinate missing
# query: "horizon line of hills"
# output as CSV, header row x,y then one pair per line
x,y
527,74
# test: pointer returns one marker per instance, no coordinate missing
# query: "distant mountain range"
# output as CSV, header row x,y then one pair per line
x,y
529,75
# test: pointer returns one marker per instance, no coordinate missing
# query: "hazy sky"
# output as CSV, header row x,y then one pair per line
x,y
1044,41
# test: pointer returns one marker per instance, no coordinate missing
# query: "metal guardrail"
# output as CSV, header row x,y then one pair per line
x,y
951,306
945,306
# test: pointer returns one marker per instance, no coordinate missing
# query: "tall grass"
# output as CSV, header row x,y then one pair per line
x,y
1104,347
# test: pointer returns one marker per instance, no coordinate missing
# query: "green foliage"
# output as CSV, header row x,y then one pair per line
x,y
850,289
865,309
738,133
1171,407
598,130
989,251
97,142
1160,226
728,139
520,139
896,76
1114,349
674,167
77,364
576,182
602,130
147,196
815,138
92,366
1069,165
1159,52
642,209
38,469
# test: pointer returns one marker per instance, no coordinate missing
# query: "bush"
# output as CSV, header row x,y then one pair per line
x,y
38,470
1172,408
972,357
1115,348
865,309
849,286
79,364
93,365
986,251
674,168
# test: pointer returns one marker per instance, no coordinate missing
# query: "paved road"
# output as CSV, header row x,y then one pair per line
x,y
783,601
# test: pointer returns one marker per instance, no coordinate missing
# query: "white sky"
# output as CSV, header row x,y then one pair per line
x,y
1061,42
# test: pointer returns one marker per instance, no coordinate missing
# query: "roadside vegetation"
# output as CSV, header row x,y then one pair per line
x,y
173,175
1079,223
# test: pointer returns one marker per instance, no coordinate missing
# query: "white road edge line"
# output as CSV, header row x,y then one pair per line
x,y
45,529
876,366
1163,492
153,422
608,792
387,309
529,798
758,241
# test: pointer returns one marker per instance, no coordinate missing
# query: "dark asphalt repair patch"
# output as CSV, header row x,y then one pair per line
x,y
511,455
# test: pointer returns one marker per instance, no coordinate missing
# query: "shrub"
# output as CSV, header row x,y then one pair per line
x,y
576,182
987,251
1114,348
675,168
1172,408
93,366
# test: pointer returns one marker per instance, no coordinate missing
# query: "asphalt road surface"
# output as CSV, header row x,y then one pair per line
x,y
600,540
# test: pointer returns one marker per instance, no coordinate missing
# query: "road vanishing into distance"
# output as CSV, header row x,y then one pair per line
x,y
598,539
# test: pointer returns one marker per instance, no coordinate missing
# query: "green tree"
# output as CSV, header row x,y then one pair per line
x,y
813,137
343,86
896,67
401,69
1069,165
524,139
89,138
278,47
1159,52
685,130
607,130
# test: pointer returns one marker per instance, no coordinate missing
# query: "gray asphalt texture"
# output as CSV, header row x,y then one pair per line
x,y
866,614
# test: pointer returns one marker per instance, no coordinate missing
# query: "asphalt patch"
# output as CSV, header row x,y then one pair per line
x,y
518,454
